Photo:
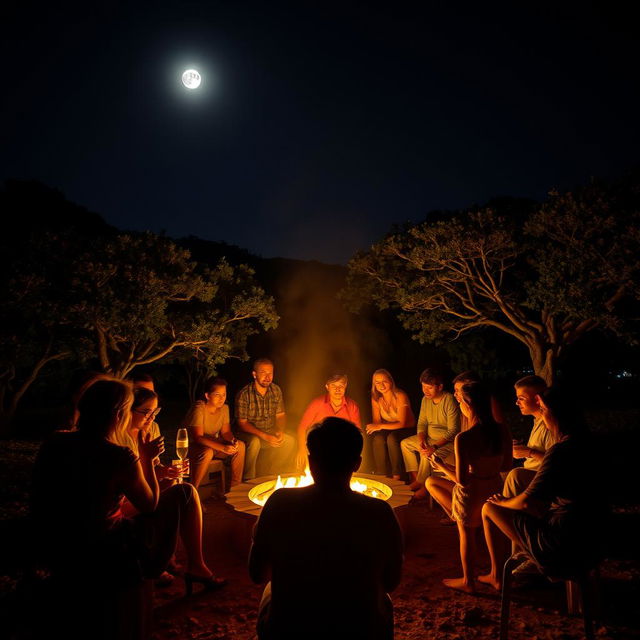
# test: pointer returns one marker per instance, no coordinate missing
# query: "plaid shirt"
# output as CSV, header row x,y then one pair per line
x,y
259,410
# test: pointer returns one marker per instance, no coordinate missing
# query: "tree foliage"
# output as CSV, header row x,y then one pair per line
x,y
139,298
545,275
73,288
34,314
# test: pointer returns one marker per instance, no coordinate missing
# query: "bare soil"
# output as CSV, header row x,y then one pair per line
x,y
424,608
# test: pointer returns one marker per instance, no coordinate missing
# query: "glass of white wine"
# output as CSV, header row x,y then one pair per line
x,y
182,447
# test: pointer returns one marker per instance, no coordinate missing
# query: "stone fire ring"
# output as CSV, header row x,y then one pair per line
x,y
238,497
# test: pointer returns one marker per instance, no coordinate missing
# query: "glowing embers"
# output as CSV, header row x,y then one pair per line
x,y
373,488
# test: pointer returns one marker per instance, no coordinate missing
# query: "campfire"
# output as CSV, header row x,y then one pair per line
x,y
249,497
369,487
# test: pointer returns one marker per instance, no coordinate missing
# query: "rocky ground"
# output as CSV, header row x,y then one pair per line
x,y
423,607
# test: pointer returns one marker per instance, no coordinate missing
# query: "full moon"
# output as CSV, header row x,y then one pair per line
x,y
191,79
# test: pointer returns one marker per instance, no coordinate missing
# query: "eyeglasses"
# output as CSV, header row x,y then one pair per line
x,y
148,414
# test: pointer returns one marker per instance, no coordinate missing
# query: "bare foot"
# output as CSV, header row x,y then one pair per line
x,y
459,584
414,486
491,581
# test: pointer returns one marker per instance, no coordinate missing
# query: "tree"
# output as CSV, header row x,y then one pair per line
x,y
140,298
34,315
545,276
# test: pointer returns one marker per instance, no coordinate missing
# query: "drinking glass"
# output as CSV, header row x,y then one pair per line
x,y
182,446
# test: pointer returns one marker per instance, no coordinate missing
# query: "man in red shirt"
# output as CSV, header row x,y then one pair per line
x,y
333,404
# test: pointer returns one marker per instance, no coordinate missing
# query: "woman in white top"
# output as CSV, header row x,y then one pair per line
x,y
393,420
210,434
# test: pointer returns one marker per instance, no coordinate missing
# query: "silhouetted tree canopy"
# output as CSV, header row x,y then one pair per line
x,y
544,275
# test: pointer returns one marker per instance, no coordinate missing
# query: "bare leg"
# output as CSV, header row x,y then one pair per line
x,y
498,530
191,535
414,485
468,559
441,489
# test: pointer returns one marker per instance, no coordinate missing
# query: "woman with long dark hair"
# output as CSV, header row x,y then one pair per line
x,y
482,452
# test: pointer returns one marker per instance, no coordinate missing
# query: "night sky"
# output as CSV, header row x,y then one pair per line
x,y
318,124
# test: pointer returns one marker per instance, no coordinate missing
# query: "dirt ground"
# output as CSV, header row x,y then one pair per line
x,y
424,608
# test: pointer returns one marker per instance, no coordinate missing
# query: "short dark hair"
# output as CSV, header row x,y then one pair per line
x,y
431,376
466,376
335,445
259,361
212,382
334,377
535,383
142,395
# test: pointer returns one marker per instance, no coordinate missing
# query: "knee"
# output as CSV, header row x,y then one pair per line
x,y
183,492
430,484
488,510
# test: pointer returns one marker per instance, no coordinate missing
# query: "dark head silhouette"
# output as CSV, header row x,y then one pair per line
x,y
335,447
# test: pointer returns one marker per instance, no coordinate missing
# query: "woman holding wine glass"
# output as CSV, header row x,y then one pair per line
x,y
89,528
143,412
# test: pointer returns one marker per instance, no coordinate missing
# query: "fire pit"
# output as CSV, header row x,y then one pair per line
x,y
249,497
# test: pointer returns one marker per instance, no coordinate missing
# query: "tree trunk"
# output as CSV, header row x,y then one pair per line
x,y
544,360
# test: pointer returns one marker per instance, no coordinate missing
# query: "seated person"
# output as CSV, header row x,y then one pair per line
x,y
438,425
262,421
393,421
558,518
87,532
143,411
482,451
528,389
471,376
210,434
334,403
332,555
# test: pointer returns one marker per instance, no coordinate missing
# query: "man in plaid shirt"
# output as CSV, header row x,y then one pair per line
x,y
261,422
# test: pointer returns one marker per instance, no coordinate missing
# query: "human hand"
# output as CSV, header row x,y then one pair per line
x,y
149,449
436,461
496,498
426,450
372,428
174,471
230,449
275,439
521,451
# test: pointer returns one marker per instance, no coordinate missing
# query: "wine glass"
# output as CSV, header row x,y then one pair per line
x,y
182,447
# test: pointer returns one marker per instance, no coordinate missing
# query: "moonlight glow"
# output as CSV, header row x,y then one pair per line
x,y
191,79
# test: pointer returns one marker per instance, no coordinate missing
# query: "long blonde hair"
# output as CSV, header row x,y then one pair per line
x,y
100,400
376,395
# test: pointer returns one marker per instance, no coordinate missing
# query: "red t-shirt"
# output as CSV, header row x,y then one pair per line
x,y
320,408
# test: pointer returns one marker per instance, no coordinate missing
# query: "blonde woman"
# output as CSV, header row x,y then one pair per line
x,y
87,527
393,420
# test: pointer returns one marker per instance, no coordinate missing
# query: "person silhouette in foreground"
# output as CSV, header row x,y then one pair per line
x,y
332,555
